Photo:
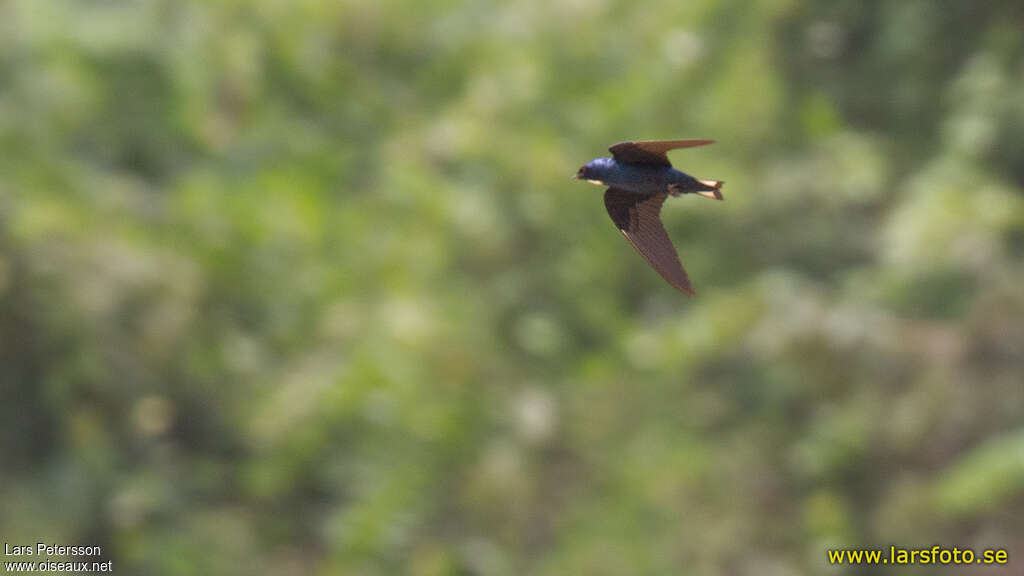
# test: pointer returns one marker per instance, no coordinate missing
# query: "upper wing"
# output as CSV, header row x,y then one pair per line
x,y
651,151
638,218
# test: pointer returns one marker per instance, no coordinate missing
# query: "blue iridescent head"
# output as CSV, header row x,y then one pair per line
x,y
595,171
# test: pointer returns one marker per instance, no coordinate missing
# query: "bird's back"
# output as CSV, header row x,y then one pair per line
x,y
643,178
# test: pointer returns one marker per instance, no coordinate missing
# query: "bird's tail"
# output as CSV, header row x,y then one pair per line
x,y
713,189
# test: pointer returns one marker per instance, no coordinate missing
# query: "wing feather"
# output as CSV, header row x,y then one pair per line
x,y
651,151
638,217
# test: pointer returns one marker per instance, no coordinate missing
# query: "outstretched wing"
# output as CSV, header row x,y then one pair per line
x,y
651,151
638,218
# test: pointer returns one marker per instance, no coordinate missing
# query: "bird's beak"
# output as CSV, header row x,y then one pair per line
x,y
576,176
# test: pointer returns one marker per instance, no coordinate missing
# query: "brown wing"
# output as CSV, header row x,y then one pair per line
x,y
651,151
638,218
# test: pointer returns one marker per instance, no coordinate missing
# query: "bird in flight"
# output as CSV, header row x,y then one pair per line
x,y
639,178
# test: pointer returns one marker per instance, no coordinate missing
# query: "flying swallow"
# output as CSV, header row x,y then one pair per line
x,y
640,177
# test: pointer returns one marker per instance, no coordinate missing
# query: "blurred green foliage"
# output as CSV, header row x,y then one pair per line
x,y
294,287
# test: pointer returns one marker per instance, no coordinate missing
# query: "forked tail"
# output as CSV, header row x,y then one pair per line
x,y
713,189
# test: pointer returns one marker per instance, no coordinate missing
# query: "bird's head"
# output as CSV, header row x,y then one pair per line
x,y
594,171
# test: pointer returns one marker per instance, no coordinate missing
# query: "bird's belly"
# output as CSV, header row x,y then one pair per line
x,y
639,188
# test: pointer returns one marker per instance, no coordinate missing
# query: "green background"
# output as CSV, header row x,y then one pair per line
x,y
303,287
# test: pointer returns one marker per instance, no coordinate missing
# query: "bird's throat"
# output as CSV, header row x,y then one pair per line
x,y
596,182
